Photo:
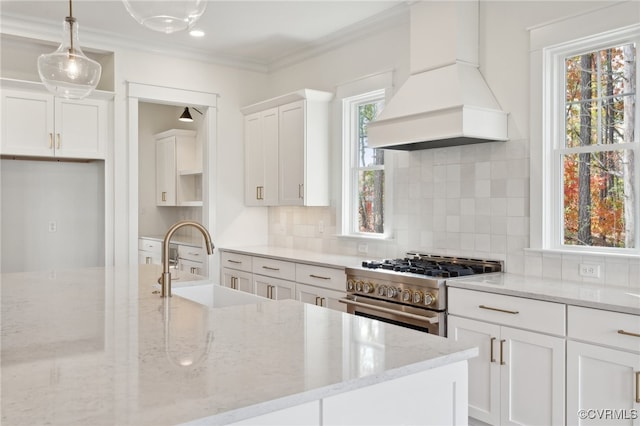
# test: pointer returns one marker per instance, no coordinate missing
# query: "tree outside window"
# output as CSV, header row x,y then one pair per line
x,y
366,165
599,181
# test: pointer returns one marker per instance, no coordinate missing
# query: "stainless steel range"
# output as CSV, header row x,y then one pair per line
x,y
410,291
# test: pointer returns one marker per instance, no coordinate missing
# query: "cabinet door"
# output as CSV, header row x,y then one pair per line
x,y
27,123
532,378
320,297
80,128
274,288
484,370
292,140
237,280
149,258
166,171
602,378
261,158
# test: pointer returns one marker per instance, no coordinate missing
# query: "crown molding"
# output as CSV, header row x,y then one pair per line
x,y
102,42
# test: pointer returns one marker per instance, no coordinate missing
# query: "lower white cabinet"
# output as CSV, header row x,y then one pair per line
x,y
518,377
274,288
603,367
320,297
237,280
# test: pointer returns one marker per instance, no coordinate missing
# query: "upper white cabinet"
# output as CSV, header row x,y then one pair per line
x,y
261,158
37,124
178,169
287,150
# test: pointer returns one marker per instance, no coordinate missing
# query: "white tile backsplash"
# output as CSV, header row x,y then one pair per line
x,y
470,201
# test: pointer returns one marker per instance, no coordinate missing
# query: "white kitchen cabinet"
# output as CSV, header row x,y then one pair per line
x,y
321,297
191,259
301,159
273,278
149,251
238,280
261,158
518,377
603,367
178,169
37,124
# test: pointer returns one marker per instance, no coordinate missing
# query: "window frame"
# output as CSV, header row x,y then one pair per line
x,y
351,168
553,101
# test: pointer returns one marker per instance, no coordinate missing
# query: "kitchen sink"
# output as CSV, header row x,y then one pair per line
x,y
213,295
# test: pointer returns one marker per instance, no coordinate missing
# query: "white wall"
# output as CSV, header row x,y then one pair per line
x,y
36,193
465,201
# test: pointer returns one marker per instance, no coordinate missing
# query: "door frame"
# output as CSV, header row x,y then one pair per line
x,y
139,92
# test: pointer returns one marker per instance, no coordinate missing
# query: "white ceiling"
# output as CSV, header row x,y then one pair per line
x,y
259,33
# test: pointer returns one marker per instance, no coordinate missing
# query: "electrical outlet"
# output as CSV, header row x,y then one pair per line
x,y
590,270
53,226
363,248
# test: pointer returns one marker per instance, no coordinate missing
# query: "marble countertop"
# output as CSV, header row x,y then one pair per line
x,y
618,299
96,346
304,256
599,296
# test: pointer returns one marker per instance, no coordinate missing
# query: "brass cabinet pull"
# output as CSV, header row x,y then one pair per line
x,y
502,352
234,261
270,268
259,192
300,190
506,311
638,387
628,333
491,355
147,260
270,291
58,143
322,301
164,196
319,277
318,301
193,270
50,140
234,283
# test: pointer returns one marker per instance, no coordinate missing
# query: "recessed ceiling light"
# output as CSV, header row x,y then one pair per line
x,y
196,33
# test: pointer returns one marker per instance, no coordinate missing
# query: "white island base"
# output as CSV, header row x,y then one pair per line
x,y
432,397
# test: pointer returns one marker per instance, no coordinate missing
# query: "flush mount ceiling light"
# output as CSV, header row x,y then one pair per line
x,y
67,72
166,16
186,115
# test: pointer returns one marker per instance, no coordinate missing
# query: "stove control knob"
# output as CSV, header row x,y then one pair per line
x,y
392,292
382,290
358,285
406,296
417,297
429,299
351,284
368,287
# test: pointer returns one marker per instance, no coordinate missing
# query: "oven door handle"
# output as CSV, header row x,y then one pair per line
x,y
430,320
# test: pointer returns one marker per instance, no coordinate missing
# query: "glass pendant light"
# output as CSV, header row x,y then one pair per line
x,y
166,16
67,72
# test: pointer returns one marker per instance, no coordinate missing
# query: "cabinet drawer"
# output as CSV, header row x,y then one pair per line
x,y
154,246
320,276
194,254
519,312
603,327
274,268
241,262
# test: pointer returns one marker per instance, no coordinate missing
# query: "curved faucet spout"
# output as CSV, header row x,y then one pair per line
x,y
166,275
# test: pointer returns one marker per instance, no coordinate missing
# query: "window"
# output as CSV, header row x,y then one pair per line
x,y
364,167
594,154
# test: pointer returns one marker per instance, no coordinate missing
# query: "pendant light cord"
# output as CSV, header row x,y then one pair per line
x,y
71,21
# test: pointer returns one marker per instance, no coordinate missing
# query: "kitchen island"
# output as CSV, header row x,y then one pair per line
x,y
98,346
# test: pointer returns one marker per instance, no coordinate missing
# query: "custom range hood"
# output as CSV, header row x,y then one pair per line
x,y
445,101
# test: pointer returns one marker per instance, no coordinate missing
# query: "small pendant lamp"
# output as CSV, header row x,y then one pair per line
x,y
166,16
67,72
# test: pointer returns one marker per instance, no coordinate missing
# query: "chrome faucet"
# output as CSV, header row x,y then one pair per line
x,y
166,275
